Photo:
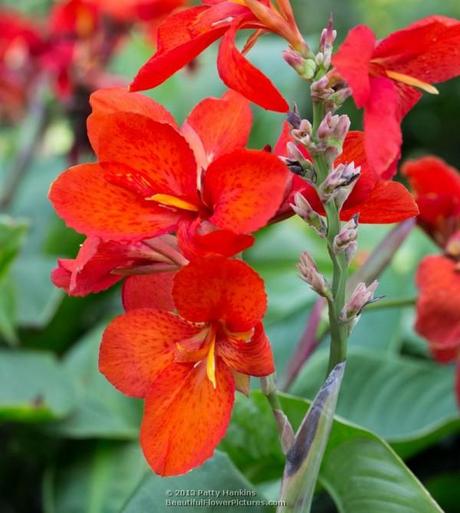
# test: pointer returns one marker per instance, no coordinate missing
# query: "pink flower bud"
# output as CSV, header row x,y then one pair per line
x,y
309,273
346,239
361,296
304,210
343,176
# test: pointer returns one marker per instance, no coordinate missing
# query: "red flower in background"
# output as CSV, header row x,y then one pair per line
x,y
149,182
184,35
377,201
437,188
385,78
20,45
186,364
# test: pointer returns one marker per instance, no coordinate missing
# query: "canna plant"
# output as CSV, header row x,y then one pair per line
x,y
170,210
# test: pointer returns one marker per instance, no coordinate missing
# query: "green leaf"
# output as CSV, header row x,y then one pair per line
x,y
215,486
11,237
360,471
408,402
33,387
97,481
102,411
7,311
37,299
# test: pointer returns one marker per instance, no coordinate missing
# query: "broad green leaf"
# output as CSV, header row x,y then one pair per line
x,y
11,237
408,402
102,411
360,471
34,387
216,486
7,311
98,480
37,299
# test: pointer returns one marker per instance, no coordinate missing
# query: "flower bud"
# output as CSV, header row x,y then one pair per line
x,y
326,44
304,210
331,134
309,273
345,241
302,134
321,90
343,176
298,164
306,68
361,296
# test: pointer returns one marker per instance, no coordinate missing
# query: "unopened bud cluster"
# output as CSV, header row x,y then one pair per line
x,y
304,210
346,240
310,274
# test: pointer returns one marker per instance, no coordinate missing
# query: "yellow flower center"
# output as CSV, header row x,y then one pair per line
x,y
172,201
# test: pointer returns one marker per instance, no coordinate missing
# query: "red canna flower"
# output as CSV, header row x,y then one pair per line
x,y
385,78
437,189
376,200
20,44
184,35
149,182
185,364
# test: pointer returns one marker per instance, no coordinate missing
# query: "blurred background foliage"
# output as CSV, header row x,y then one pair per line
x,y
68,439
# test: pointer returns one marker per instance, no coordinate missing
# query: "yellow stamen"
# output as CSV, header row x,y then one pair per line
x,y
211,361
412,81
172,201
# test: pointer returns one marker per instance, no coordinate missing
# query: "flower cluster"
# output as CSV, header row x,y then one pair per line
x,y
73,46
170,208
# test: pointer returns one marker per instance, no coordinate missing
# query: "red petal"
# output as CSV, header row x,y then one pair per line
x,y
91,205
198,243
382,129
244,189
91,270
177,46
149,291
253,358
240,75
118,99
352,61
185,417
217,126
137,346
220,289
427,50
389,202
438,305
154,150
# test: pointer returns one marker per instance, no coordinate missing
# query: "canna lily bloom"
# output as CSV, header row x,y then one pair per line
x,y
20,44
186,363
437,189
194,29
148,180
386,78
377,201
99,265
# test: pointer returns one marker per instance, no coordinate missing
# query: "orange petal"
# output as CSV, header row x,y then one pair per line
x,y
91,205
119,99
220,289
389,202
155,151
149,291
253,358
438,305
185,417
217,126
137,346
244,189
241,76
